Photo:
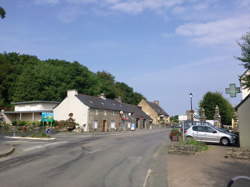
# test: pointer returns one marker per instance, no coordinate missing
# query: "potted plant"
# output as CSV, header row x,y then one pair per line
x,y
174,135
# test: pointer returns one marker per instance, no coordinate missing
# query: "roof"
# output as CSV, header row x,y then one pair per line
x,y
157,109
136,111
34,102
243,101
34,111
109,104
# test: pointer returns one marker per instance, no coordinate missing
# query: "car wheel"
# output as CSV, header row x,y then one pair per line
x,y
224,141
188,138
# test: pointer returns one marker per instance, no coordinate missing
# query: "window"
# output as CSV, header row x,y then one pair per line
x,y
208,129
96,112
113,113
105,112
112,125
95,124
195,128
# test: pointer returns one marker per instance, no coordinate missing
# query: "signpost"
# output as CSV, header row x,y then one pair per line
x,y
232,90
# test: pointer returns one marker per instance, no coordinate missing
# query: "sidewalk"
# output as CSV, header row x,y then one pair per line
x,y
6,149
206,169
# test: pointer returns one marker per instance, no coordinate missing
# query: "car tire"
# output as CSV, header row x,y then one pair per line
x,y
224,141
189,138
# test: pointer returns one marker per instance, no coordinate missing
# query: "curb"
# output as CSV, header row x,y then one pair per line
x,y
28,138
10,151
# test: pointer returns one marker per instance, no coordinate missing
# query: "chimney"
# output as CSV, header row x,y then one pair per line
x,y
102,96
72,93
119,99
157,102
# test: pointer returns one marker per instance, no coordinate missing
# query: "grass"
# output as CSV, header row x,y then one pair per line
x,y
201,146
40,135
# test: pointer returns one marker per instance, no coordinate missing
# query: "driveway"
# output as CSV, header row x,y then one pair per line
x,y
123,161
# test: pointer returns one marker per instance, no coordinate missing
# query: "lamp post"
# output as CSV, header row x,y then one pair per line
x,y
191,104
191,96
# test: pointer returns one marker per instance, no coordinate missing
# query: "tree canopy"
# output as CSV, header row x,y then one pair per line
x,y
27,78
2,13
209,102
245,57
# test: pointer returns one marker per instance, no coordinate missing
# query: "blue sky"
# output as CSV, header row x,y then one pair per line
x,y
164,49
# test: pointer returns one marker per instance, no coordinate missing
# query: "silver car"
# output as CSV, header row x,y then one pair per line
x,y
209,133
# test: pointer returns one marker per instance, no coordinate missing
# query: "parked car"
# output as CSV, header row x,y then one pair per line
x,y
212,134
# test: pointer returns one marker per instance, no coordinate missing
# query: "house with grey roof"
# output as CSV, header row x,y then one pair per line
x,y
100,113
155,111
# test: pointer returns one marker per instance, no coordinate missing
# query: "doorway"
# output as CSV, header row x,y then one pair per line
x,y
104,125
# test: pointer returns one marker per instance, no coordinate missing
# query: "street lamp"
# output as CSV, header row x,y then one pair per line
x,y
191,104
191,96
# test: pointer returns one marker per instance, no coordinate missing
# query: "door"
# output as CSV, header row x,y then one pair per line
x,y
104,126
211,135
199,133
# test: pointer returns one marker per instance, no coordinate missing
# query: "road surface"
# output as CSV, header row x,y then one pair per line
x,y
101,161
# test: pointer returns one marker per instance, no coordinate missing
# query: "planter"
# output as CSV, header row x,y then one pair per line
x,y
174,138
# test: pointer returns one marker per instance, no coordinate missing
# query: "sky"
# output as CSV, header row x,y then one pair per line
x,y
164,49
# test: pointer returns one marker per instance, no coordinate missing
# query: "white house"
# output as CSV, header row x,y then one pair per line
x,y
72,105
28,110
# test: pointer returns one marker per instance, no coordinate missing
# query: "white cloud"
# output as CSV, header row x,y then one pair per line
x,y
52,2
216,32
129,7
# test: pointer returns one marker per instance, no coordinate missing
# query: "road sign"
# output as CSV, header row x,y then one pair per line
x,y
232,90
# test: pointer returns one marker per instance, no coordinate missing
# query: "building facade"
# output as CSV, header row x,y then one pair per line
x,y
156,113
243,110
245,91
28,111
100,113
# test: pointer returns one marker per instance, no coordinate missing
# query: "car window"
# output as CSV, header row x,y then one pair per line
x,y
201,129
208,129
195,128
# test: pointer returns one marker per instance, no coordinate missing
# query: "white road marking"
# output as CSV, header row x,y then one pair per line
x,y
146,178
45,145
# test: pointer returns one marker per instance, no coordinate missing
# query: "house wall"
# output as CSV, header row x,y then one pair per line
x,y
244,91
99,116
34,107
149,111
72,104
244,124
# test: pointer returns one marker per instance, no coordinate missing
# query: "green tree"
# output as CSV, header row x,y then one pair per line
x,y
2,13
25,77
174,119
245,57
209,102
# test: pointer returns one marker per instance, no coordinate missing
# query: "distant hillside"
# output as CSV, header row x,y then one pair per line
x,y
25,78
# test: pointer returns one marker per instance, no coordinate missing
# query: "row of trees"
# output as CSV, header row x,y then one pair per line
x,y
25,77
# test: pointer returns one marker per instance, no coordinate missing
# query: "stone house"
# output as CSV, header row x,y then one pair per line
x,y
100,113
156,113
28,111
243,110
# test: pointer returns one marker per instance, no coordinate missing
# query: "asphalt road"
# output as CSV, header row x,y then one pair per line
x,y
105,161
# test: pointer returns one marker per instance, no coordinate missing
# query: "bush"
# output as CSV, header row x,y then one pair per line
x,y
201,146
